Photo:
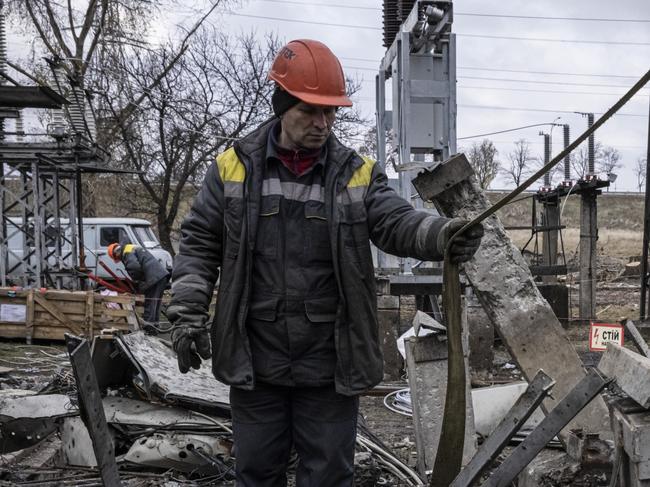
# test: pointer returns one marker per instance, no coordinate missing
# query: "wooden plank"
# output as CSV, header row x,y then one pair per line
x,y
29,317
90,311
55,311
131,318
507,291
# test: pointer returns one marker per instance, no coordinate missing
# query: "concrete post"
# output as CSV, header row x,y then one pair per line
x,y
588,238
506,289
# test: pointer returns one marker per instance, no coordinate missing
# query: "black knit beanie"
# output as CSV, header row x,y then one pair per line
x,y
282,100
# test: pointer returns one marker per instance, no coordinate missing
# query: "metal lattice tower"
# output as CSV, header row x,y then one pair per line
x,y
40,197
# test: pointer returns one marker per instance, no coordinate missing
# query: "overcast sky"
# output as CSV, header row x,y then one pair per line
x,y
492,94
360,50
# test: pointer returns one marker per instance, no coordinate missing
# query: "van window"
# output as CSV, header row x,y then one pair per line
x,y
144,234
109,235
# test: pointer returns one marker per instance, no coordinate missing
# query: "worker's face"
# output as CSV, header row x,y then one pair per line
x,y
306,126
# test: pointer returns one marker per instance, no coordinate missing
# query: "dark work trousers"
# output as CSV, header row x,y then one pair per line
x,y
152,300
317,421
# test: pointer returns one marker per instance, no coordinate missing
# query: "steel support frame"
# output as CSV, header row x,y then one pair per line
x,y
406,61
44,199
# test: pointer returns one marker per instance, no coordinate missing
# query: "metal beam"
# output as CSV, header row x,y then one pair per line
x,y
30,97
587,389
91,409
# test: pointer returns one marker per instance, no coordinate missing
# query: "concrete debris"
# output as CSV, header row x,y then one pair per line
x,y
181,434
27,419
630,370
203,454
159,375
76,443
122,410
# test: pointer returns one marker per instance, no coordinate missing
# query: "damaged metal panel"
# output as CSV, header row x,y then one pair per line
x,y
159,374
123,410
185,453
27,419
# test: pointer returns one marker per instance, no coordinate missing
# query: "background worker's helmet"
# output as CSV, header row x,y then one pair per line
x,y
308,70
115,251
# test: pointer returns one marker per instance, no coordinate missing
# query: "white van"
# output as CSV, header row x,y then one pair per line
x,y
99,233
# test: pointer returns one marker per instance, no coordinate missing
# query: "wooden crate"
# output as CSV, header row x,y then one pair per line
x,y
49,314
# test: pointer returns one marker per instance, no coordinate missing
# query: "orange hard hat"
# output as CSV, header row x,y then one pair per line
x,y
311,72
112,251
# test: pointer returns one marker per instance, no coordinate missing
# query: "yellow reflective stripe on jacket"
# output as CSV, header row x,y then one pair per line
x,y
128,248
361,176
231,169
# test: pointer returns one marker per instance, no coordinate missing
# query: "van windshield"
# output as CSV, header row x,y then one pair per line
x,y
145,236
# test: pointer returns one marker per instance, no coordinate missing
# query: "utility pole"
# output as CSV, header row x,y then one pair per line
x,y
550,215
643,311
588,233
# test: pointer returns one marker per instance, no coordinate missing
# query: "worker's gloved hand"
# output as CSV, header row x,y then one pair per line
x,y
465,245
190,337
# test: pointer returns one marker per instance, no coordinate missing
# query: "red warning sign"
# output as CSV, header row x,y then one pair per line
x,y
600,334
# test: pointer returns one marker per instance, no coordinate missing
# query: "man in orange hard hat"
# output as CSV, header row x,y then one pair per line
x,y
287,215
150,277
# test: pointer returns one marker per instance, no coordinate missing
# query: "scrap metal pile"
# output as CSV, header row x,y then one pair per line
x,y
164,428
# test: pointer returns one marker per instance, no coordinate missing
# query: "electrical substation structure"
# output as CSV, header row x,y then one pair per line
x,y
41,221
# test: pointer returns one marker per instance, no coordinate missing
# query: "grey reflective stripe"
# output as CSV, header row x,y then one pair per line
x,y
191,281
233,189
351,195
421,244
293,191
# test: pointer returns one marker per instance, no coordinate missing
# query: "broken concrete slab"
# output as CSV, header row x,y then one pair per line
x,y
630,370
505,287
77,446
27,419
426,359
159,375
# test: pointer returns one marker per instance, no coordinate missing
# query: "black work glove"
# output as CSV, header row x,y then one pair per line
x,y
465,245
190,337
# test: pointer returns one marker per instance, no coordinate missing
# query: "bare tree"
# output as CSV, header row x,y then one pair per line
x,y
211,97
520,160
580,159
640,170
609,159
482,157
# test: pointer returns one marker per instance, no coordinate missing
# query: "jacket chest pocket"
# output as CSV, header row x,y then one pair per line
x,y
354,232
233,219
317,234
268,227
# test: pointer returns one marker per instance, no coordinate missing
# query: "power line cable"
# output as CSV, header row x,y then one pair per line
x,y
566,83
542,91
468,14
543,110
369,27
509,70
545,39
506,130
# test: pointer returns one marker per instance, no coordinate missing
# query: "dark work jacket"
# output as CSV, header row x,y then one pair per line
x,y
142,267
220,233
